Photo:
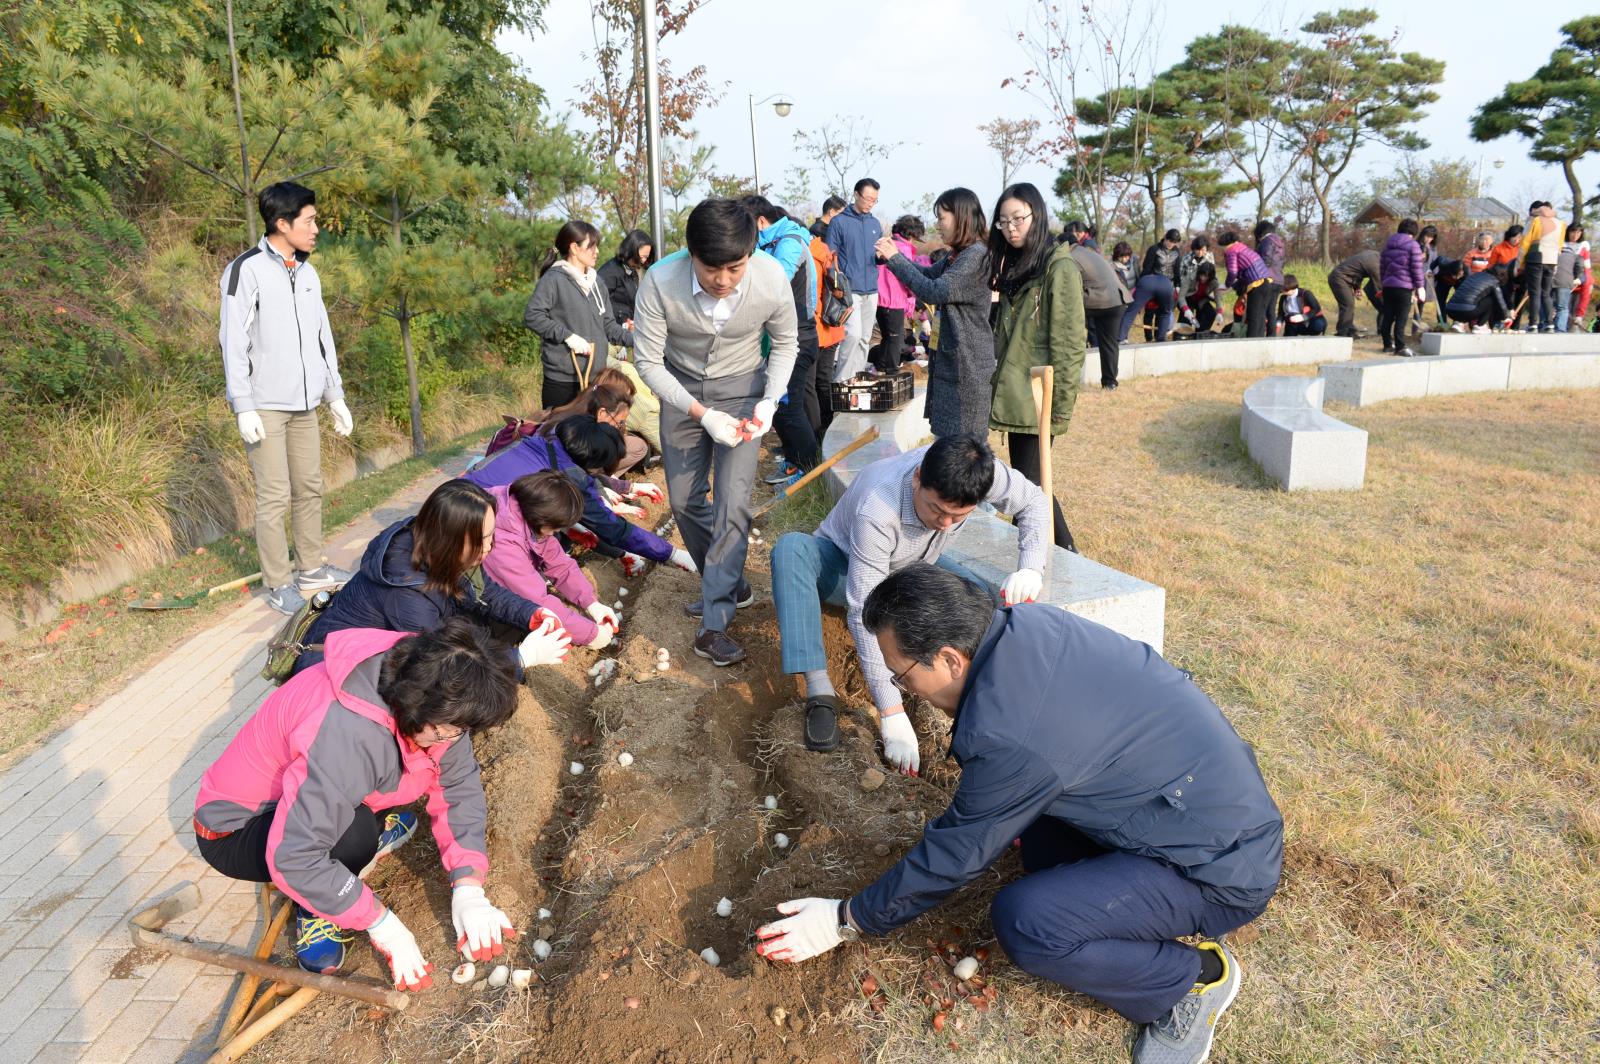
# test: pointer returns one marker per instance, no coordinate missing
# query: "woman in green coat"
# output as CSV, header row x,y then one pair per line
x,y
1038,321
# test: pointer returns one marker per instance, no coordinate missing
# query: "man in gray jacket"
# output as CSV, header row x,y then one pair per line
x,y
1104,297
280,364
698,326
1142,815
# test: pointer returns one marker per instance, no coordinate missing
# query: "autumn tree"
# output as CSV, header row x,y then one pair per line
x,y
1557,109
1350,89
614,98
1094,50
1013,142
842,150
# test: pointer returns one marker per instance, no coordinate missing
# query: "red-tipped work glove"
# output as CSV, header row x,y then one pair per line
x,y
480,928
632,565
647,491
398,946
812,928
582,537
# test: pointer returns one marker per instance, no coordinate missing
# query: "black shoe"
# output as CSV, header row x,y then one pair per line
x,y
747,595
1109,386
1405,352
822,723
718,649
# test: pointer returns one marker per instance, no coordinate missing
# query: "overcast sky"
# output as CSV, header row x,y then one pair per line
x,y
928,72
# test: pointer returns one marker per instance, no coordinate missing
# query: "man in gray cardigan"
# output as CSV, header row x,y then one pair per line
x,y
698,326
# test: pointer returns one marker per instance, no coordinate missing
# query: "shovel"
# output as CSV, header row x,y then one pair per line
x,y
817,470
189,602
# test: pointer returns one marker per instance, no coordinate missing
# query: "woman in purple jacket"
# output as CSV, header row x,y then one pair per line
x,y
1404,280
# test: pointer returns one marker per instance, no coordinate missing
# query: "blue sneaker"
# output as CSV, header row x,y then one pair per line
x,y
319,944
398,827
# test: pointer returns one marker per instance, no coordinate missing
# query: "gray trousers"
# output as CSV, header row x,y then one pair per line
x,y
716,533
287,466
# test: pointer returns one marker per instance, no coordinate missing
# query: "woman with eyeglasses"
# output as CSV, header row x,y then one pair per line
x,y
1038,321
961,368
421,571
307,796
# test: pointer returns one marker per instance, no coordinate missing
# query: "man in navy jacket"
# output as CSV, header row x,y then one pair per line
x,y
1141,813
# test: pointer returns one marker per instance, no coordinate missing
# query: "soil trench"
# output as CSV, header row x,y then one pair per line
x,y
632,861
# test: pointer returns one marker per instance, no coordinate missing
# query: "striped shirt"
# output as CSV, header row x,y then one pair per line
x,y
876,525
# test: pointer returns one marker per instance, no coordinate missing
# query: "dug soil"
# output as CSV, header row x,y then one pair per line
x,y
631,862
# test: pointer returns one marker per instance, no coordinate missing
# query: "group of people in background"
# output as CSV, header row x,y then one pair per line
x,y
1537,278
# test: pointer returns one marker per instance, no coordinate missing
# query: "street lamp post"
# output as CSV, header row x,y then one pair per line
x,y
783,107
652,110
1498,163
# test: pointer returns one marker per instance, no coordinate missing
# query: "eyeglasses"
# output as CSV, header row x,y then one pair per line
x,y
899,679
1004,224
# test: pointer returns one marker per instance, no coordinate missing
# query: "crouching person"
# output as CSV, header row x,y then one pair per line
x,y
1142,815
307,795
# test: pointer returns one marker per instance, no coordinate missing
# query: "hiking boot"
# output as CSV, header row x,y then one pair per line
x,y
822,723
1183,1036
718,649
322,578
747,595
319,944
285,599
398,827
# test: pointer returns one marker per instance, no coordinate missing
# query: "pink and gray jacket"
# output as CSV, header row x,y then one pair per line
x,y
538,569
1245,267
892,294
323,744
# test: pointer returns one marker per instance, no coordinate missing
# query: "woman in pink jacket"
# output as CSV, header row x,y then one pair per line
x,y
300,796
895,300
528,559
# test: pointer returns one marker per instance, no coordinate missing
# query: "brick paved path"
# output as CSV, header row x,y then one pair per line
x,y
96,824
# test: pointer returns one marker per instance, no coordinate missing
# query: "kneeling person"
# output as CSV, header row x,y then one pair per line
x,y
301,796
1142,815
897,511
1480,301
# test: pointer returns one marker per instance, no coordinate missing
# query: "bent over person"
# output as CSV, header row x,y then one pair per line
x,y
307,795
1141,814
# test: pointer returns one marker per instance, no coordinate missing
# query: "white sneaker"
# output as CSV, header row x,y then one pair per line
x,y
322,578
285,600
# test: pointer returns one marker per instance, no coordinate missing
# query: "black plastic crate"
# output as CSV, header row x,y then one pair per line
x,y
874,394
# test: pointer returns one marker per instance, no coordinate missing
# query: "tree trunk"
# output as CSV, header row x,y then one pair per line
x,y
1325,228
246,185
403,316
1577,190
1158,205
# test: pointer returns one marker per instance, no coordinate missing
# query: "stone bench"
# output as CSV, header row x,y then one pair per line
x,y
1199,356
1509,343
1381,379
987,545
1295,443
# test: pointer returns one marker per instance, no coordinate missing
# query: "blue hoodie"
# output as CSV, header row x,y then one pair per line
x,y
790,243
1064,718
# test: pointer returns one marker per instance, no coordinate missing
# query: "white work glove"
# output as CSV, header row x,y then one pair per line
x,y
625,509
610,496
480,927
723,428
646,490
398,946
900,743
343,423
757,424
812,928
606,623
632,565
546,644
578,345
683,560
251,430
1022,586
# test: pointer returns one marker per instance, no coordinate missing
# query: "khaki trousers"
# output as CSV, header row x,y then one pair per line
x,y
287,467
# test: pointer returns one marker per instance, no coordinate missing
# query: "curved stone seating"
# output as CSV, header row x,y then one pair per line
x,y
987,545
1294,442
1381,379
1198,356
1509,343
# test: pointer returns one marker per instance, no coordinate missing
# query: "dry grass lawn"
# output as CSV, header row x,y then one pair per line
x,y
1416,665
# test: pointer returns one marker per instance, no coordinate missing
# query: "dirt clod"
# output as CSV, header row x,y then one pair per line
x,y
872,779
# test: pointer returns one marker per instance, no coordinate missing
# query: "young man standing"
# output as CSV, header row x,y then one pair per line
x,y
852,236
280,364
897,511
698,327
1142,815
